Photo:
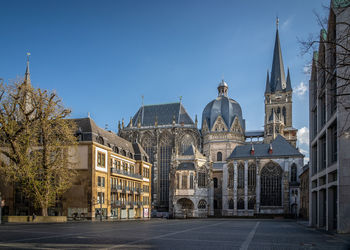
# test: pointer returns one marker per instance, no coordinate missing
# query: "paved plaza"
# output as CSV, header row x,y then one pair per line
x,y
170,234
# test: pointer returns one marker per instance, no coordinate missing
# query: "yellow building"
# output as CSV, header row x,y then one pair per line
x,y
113,180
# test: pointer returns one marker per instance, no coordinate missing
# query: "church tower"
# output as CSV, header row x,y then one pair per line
x,y
278,99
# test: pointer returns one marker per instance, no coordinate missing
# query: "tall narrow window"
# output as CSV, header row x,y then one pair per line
x,y
251,176
271,185
219,156
230,176
164,167
184,181
293,173
230,204
322,151
101,159
215,180
332,145
201,179
240,204
191,181
240,176
178,181
251,203
284,114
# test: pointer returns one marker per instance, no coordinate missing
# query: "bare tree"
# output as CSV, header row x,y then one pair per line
x,y
331,57
36,139
332,43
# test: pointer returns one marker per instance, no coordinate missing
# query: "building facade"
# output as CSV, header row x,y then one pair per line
x,y
113,180
329,104
242,177
162,130
191,185
304,192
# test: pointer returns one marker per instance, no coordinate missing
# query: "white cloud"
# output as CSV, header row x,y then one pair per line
x,y
301,89
303,151
303,136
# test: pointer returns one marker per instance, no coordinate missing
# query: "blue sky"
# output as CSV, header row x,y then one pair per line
x,y
102,56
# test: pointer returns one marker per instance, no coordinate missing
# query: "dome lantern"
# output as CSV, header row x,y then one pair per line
x,y
222,88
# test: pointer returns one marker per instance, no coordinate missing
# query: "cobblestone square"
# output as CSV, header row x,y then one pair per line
x,y
170,234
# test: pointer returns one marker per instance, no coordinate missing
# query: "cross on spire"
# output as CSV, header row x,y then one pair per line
x,y
27,74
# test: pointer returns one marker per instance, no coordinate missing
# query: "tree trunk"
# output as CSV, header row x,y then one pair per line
x,y
44,211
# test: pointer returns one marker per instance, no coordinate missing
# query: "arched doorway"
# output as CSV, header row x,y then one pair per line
x,y
271,185
186,205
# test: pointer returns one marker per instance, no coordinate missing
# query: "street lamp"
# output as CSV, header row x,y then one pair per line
x,y
0,208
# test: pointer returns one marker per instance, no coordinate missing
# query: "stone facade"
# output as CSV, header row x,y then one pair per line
x,y
330,125
304,192
234,188
191,185
248,186
162,130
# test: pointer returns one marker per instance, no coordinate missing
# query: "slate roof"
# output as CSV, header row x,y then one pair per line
x,y
280,148
164,114
218,165
89,131
278,81
186,166
140,153
224,106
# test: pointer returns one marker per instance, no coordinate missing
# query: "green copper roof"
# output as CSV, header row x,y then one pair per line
x,y
341,3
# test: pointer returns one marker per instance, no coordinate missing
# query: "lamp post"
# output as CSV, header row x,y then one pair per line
x,y
101,206
0,208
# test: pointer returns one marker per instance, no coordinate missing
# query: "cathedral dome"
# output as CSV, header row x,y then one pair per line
x,y
222,106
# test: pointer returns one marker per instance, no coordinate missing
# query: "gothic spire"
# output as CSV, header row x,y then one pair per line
x,y
27,74
268,87
277,81
288,84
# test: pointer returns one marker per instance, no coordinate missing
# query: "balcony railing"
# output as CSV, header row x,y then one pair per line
x,y
116,203
116,187
122,172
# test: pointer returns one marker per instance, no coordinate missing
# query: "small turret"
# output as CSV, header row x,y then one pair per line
x,y
222,88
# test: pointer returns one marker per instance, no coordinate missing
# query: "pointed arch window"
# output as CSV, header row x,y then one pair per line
x,y
186,141
284,113
202,204
271,185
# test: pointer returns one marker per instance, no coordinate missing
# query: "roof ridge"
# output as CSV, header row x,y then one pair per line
x,y
168,103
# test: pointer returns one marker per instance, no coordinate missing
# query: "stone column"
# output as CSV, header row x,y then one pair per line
x,y
246,186
257,187
235,188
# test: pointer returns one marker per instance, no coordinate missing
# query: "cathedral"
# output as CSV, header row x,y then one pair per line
x,y
222,169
